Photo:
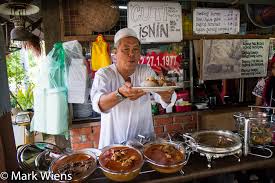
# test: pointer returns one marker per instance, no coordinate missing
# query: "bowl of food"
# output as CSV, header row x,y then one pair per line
x,y
120,162
74,167
165,156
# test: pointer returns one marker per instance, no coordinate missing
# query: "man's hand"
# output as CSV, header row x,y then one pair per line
x,y
127,91
166,95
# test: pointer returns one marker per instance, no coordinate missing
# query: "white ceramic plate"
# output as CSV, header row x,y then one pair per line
x,y
157,89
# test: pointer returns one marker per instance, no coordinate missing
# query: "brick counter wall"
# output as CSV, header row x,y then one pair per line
x,y
86,135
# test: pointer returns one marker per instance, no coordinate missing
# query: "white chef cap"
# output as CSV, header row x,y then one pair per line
x,y
125,32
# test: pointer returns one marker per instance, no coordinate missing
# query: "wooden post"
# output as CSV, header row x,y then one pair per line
x,y
51,21
2,159
8,142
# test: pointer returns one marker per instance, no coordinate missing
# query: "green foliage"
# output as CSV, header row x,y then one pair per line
x,y
25,98
16,73
16,76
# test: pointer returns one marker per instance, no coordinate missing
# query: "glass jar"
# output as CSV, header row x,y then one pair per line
x,y
260,126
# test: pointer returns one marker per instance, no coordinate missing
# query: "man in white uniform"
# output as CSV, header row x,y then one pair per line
x,y
125,111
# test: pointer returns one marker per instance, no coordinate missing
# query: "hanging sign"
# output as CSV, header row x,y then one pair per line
x,y
235,58
155,21
216,21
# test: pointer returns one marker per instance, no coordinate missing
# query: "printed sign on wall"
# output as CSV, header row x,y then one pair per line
x,y
216,21
155,21
236,58
162,60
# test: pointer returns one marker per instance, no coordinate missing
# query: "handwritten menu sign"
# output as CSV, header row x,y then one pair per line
x,y
155,21
234,58
254,57
216,21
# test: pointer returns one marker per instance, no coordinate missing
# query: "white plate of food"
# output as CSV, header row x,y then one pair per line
x,y
156,89
156,85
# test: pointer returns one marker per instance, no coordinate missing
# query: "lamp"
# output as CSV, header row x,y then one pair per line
x,y
18,8
20,34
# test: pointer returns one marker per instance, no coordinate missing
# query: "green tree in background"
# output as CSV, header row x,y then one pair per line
x,y
21,91
16,72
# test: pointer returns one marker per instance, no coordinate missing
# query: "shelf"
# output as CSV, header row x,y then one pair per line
x,y
110,38
87,38
227,36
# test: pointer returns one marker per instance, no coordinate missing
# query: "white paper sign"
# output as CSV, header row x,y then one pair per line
x,y
235,58
216,21
155,21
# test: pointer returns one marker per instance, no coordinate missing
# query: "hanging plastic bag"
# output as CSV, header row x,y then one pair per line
x,y
50,95
100,55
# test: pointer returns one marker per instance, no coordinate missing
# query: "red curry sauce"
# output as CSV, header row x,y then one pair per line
x,y
121,159
164,154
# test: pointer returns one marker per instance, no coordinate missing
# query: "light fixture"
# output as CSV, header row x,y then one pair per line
x,y
122,7
19,33
18,8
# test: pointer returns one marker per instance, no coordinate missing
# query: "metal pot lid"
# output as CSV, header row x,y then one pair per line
x,y
216,141
37,156
252,116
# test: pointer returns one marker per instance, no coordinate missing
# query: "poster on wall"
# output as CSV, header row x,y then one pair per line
x,y
155,21
165,60
216,21
234,58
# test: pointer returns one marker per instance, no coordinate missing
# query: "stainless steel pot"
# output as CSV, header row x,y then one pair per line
x,y
37,156
215,143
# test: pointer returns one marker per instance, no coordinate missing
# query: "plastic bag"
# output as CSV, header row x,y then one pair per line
x,y
50,95
100,55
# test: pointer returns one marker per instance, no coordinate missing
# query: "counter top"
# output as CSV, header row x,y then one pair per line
x,y
221,108
196,168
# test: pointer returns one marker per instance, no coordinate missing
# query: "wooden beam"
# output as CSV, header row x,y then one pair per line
x,y
227,36
51,22
109,38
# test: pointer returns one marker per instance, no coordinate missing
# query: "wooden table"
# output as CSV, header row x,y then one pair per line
x,y
196,168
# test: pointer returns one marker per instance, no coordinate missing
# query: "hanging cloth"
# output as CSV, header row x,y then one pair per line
x,y
100,55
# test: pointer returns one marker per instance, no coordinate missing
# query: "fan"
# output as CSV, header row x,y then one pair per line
x,y
262,16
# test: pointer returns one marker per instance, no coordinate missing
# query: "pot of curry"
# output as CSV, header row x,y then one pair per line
x,y
79,165
165,156
120,163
